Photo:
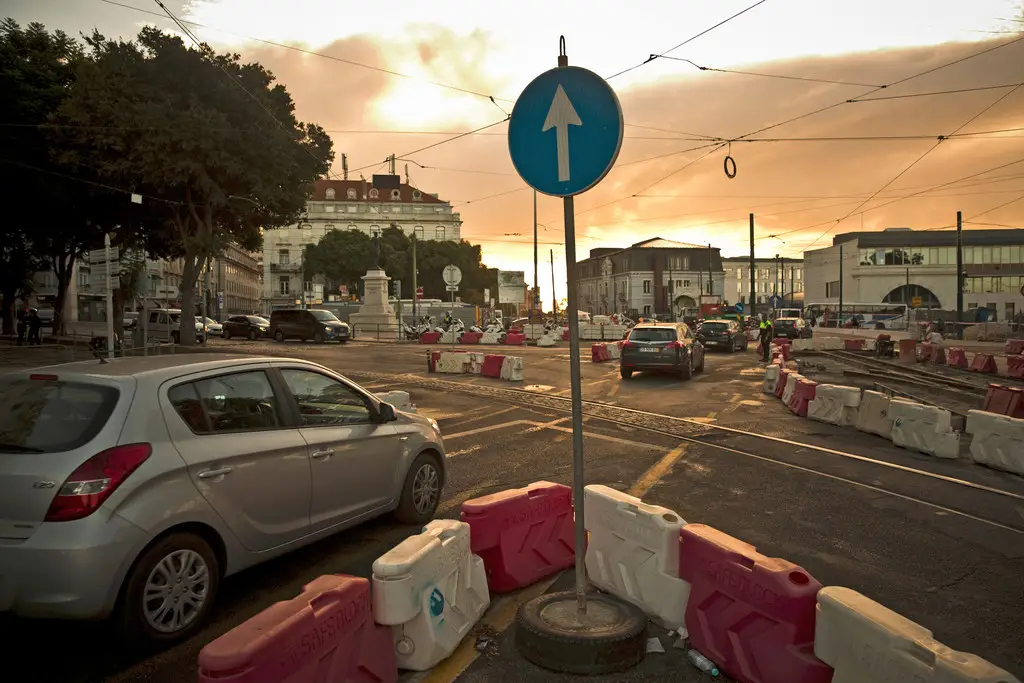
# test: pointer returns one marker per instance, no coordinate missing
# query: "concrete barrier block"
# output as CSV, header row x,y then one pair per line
x,y
997,441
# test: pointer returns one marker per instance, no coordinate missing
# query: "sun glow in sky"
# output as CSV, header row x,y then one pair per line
x,y
494,49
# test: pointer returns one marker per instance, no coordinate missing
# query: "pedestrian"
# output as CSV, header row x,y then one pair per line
x,y
766,333
22,323
34,323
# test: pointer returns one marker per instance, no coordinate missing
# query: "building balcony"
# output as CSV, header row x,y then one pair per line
x,y
285,267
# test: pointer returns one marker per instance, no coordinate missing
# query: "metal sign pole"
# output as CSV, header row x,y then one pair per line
x,y
109,297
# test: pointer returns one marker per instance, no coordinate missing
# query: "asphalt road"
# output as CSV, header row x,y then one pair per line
x,y
943,554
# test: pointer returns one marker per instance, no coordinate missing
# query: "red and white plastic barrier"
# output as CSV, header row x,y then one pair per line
x,y
398,399
984,363
431,589
327,633
1004,400
522,535
1015,366
509,368
957,358
633,553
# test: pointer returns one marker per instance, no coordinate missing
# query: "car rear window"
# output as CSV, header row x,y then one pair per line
x,y
785,323
716,327
48,416
653,334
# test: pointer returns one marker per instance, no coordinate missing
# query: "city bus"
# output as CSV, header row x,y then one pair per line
x,y
874,316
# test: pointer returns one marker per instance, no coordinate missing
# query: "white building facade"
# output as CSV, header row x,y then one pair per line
x,y
653,277
783,278
918,268
367,206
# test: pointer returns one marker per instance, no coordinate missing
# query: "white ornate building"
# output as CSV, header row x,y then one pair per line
x,y
369,206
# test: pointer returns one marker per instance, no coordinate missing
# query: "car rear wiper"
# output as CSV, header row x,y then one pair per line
x,y
18,448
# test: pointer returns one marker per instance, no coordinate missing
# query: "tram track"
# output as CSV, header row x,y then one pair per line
x,y
699,432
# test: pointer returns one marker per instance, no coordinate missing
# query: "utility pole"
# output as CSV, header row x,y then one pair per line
x,y
959,272
711,278
206,292
839,320
415,288
344,166
792,286
753,271
782,277
554,297
536,272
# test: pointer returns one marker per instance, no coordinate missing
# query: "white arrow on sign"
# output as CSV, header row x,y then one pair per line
x,y
561,115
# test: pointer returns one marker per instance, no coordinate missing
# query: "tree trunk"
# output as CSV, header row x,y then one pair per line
x,y
189,275
7,301
62,266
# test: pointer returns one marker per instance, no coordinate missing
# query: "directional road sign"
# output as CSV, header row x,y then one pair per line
x,y
566,131
739,307
452,275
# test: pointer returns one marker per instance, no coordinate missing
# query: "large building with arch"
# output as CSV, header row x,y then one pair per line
x,y
918,268
366,205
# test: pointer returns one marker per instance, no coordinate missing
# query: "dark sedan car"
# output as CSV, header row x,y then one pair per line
x,y
248,326
792,328
723,334
666,347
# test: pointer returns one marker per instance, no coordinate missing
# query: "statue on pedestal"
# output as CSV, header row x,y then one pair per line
x,y
375,242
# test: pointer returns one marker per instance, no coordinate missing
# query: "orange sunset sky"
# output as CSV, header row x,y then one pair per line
x,y
793,180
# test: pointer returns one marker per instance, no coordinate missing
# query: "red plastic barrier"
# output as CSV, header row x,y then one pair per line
x,y
939,355
984,362
924,352
1004,400
432,358
565,334
883,337
598,353
325,634
515,330
853,344
752,615
492,365
802,395
1014,347
908,351
522,535
430,337
782,341
785,348
620,343
470,337
957,358
780,386
1015,366
515,339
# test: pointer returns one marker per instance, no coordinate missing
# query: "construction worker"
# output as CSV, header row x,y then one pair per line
x,y
765,334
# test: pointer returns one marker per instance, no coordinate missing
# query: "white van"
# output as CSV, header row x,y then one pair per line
x,y
164,325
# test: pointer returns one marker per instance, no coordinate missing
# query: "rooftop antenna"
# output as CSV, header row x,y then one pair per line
x,y
344,166
407,174
391,160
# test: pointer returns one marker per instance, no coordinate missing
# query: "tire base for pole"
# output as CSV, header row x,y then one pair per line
x,y
611,636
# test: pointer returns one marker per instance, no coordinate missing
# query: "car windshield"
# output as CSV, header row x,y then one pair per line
x,y
715,327
256,320
50,416
653,334
324,315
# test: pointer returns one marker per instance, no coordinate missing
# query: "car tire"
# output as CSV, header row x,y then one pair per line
x,y
686,371
252,335
279,336
625,373
421,492
134,616
318,338
226,334
175,338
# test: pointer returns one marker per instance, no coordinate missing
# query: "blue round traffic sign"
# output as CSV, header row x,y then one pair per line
x,y
565,132
739,307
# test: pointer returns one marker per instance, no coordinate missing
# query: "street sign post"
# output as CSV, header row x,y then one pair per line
x,y
452,276
564,136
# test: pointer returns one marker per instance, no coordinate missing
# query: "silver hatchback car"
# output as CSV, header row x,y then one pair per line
x,y
132,487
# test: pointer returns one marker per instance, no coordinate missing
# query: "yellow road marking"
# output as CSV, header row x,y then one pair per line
x,y
658,470
615,389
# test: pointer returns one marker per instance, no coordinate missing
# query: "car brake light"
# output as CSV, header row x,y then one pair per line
x,y
674,345
43,378
92,482
628,344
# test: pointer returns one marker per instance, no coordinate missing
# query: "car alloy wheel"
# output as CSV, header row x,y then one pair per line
x,y
426,487
175,591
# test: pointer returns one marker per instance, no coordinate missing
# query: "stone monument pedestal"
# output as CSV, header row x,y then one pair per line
x,y
376,317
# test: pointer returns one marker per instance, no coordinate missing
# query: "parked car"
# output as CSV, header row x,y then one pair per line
x,y
132,488
212,326
723,334
164,325
129,319
667,347
305,324
248,326
792,328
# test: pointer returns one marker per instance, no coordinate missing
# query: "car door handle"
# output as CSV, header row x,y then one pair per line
x,y
326,453
211,474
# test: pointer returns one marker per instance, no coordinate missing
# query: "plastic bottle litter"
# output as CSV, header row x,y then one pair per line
x,y
702,663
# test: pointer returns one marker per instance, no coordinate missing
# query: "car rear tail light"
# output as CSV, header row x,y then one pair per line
x,y
86,489
43,378
674,345
628,344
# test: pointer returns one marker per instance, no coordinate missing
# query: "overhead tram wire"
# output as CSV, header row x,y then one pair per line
x,y
762,75
439,143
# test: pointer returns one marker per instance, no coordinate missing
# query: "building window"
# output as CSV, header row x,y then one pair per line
x,y
284,286
353,227
417,195
739,273
329,194
418,232
350,193
647,310
679,284
374,230
647,286
832,289
373,193
329,227
396,194
439,233
283,257
686,283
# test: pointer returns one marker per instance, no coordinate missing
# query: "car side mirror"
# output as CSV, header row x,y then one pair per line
x,y
386,412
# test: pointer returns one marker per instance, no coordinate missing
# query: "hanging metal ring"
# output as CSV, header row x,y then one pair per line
x,y
730,167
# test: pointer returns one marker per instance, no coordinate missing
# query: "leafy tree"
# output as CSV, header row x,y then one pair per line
x,y
213,141
342,257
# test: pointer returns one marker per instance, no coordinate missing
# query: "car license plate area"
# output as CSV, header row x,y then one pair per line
x,y
648,350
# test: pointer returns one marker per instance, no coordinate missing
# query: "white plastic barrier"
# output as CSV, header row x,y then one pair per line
x,y
490,338
476,362
771,378
829,343
928,429
614,353
398,399
452,363
431,590
548,339
873,416
633,553
866,642
791,382
802,344
835,404
447,337
512,369
590,332
997,440
533,330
